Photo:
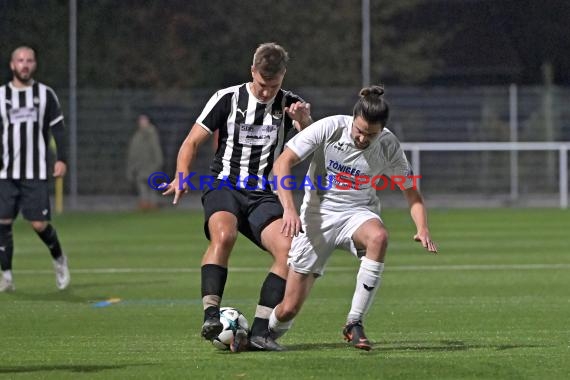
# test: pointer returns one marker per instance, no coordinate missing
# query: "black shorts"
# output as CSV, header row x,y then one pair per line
x,y
254,210
31,196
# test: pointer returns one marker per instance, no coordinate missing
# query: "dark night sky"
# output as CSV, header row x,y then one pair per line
x,y
494,41
501,41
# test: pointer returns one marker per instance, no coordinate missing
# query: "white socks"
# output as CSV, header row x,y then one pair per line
x,y
277,327
367,283
7,275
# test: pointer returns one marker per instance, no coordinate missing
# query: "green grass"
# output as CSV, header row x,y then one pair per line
x,y
495,304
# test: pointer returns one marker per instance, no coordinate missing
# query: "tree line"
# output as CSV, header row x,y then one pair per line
x,y
183,44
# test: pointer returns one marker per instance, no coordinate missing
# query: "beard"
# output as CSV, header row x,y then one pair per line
x,y
24,77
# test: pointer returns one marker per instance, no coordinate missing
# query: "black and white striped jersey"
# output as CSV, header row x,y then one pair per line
x,y
26,116
251,134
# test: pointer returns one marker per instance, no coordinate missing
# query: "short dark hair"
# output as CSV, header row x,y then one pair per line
x,y
25,47
371,106
270,60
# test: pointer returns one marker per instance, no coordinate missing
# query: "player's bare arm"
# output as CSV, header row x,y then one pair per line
x,y
291,221
186,156
300,113
419,216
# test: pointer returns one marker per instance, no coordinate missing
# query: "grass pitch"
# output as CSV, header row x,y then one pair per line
x,y
495,304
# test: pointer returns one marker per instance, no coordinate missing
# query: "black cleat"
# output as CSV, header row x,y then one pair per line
x,y
211,328
264,343
354,333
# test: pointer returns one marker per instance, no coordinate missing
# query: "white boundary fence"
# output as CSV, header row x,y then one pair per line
x,y
561,147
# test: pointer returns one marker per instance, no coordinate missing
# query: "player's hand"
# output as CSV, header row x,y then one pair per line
x,y
300,112
59,169
173,188
291,224
426,241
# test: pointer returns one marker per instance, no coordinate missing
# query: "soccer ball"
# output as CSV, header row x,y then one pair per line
x,y
234,322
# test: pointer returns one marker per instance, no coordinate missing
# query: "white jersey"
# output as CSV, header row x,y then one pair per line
x,y
344,176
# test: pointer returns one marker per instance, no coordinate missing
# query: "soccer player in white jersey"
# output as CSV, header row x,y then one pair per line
x,y
251,121
29,115
342,211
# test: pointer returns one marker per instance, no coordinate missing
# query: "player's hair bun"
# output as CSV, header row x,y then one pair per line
x,y
372,90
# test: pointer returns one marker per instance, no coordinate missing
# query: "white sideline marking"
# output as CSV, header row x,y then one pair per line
x,y
395,268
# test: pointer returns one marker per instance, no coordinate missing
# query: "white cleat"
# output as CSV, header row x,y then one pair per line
x,y
6,285
62,276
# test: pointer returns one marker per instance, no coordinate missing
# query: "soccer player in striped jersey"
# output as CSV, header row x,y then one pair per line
x,y
343,214
252,121
29,115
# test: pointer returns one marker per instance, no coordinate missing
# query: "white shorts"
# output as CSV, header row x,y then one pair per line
x,y
326,230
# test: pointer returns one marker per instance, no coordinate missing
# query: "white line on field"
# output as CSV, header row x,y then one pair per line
x,y
395,268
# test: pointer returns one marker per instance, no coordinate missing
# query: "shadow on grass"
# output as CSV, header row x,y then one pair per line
x,y
108,283
442,345
55,296
68,294
79,368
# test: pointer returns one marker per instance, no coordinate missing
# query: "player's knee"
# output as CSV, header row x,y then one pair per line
x,y
280,256
224,237
280,249
378,241
39,226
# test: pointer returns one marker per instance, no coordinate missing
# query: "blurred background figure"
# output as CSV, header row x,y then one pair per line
x,y
29,109
144,158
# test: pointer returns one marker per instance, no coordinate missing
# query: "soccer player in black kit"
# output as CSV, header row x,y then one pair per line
x,y
29,115
252,121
